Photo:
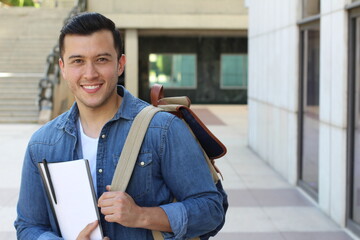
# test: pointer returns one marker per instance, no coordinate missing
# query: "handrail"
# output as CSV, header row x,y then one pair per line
x,y
52,72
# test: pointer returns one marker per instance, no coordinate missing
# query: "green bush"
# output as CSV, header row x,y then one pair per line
x,y
17,3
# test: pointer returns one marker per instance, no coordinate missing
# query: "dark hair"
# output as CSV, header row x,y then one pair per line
x,y
86,24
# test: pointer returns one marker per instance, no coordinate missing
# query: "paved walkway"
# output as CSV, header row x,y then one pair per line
x,y
263,206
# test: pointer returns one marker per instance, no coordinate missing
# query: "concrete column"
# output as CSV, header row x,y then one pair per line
x,y
132,61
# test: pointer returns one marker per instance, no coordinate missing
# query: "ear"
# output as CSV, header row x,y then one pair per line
x,y
61,64
121,64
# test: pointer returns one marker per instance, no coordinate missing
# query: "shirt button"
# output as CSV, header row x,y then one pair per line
x,y
103,136
142,163
100,170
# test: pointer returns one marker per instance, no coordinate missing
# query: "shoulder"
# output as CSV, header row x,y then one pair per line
x,y
164,119
51,131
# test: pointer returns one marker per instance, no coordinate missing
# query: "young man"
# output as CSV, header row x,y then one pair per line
x,y
170,164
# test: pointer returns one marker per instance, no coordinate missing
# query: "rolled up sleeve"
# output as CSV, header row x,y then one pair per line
x,y
178,219
198,209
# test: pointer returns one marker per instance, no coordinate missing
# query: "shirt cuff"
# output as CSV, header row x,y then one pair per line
x,y
177,215
49,235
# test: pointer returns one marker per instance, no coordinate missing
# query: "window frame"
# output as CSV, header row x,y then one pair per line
x,y
221,73
176,87
305,25
306,9
353,82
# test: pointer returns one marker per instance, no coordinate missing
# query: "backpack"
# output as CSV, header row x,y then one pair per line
x,y
179,106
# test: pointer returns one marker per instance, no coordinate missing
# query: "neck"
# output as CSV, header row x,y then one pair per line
x,y
94,119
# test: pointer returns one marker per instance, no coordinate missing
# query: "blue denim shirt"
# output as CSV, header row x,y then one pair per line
x,y
174,168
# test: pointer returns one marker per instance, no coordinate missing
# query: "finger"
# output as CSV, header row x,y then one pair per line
x,y
85,233
108,188
108,198
106,238
111,218
106,202
107,210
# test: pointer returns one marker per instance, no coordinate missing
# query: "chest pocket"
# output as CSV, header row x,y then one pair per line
x,y
141,178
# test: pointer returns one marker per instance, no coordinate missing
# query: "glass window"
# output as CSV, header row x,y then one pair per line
x,y
354,89
310,8
309,114
234,71
173,70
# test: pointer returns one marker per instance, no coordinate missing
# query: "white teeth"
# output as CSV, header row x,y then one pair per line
x,y
91,87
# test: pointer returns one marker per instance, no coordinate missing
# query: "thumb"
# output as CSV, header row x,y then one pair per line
x,y
86,232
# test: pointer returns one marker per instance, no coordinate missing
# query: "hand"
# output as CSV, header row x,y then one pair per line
x,y
86,232
119,207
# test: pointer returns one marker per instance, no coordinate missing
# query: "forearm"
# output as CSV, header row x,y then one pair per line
x,y
154,218
120,207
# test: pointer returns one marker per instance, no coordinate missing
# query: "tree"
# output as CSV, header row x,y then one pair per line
x,y
18,3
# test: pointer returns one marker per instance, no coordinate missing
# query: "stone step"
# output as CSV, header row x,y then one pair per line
x,y
33,40
20,86
22,64
24,46
19,102
15,108
15,119
11,50
24,52
12,69
19,113
16,60
29,69
10,91
19,81
27,37
20,77
24,96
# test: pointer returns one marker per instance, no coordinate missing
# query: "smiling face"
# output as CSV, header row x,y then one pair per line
x,y
91,67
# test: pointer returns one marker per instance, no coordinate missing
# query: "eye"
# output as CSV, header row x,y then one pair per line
x,y
102,59
77,61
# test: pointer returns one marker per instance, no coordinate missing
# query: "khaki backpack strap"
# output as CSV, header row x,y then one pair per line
x,y
131,148
130,153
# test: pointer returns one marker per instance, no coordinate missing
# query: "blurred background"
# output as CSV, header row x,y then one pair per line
x,y
291,66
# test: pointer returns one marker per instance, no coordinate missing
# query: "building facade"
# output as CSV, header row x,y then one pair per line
x,y
303,98
194,48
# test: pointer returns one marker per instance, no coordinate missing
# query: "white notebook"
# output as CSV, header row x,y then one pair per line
x,y
72,196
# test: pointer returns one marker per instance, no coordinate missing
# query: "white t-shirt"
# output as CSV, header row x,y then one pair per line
x,y
89,148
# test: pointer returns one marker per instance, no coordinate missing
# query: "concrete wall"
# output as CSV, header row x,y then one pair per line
x,y
273,83
184,16
333,108
210,14
274,91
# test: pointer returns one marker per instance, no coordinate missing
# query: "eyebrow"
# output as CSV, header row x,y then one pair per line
x,y
75,56
81,56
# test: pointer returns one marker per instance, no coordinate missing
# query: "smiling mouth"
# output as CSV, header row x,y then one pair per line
x,y
91,87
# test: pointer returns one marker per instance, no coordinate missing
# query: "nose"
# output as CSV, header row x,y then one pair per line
x,y
91,71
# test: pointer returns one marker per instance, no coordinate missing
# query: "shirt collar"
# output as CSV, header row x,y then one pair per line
x,y
129,108
129,105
